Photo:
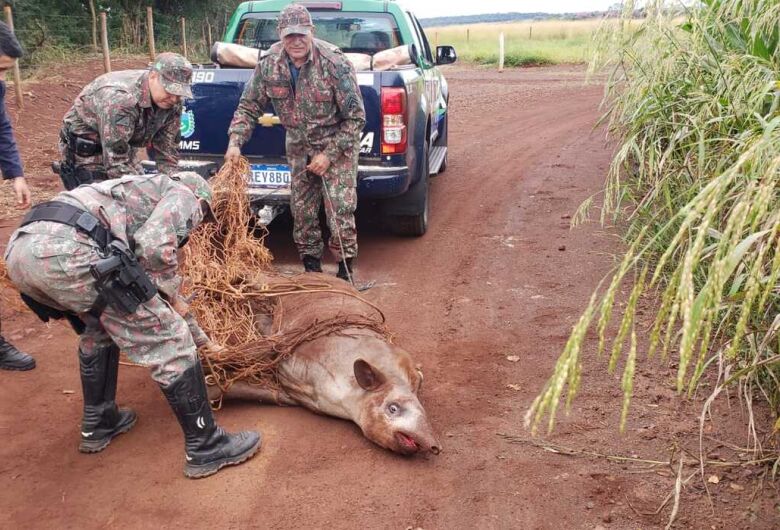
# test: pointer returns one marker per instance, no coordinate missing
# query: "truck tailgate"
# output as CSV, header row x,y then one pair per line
x,y
206,118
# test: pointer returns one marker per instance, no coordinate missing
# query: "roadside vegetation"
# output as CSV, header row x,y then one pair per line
x,y
694,106
526,43
62,31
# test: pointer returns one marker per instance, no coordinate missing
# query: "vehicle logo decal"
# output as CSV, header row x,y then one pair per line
x,y
187,123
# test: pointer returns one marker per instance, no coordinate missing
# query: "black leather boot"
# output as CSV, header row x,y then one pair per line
x,y
207,447
311,264
344,266
13,359
102,420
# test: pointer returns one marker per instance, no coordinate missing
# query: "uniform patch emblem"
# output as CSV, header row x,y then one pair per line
x,y
120,147
187,124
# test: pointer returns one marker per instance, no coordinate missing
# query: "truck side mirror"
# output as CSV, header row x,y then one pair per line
x,y
445,55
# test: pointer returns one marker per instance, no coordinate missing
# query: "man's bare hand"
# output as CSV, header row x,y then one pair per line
x,y
319,164
212,347
233,154
23,196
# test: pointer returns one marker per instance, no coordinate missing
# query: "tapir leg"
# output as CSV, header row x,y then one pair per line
x,y
245,391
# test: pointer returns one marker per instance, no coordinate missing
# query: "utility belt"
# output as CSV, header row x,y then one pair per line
x,y
71,174
121,282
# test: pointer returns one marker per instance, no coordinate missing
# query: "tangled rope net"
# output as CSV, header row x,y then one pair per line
x,y
236,293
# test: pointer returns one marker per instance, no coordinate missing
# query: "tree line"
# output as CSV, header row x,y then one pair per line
x,y
46,25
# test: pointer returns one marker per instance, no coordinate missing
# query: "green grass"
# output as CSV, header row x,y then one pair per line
x,y
694,106
526,43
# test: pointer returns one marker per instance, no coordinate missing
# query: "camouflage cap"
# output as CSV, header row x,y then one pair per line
x,y
195,183
175,73
294,20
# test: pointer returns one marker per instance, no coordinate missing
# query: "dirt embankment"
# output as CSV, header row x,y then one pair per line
x,y
485,302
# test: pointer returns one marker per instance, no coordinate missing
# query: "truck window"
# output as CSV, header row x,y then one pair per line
x,y
426,46
352,32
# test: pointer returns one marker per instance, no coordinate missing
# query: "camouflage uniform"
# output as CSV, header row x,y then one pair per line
x,y
51,262
322,113
116,110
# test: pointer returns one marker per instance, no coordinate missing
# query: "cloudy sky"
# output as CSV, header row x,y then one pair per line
x,y
437,8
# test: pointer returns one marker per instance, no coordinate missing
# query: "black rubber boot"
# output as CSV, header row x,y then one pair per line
x,y
344,266
207,447
311,264
102,420
13,359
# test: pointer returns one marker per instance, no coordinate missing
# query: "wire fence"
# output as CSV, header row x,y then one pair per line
x,y
56,37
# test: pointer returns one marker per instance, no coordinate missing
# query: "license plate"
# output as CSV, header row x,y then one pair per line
x,y
269,176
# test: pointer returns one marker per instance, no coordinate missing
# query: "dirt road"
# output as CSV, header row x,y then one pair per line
x,y
498,275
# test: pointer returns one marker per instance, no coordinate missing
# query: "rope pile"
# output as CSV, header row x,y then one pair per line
x,y
236,294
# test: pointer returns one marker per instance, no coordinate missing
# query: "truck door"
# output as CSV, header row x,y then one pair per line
x,y
433,81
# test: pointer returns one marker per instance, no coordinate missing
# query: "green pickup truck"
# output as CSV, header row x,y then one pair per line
x,y
404,141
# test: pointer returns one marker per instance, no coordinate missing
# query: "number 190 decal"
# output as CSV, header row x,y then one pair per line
x,y
202,76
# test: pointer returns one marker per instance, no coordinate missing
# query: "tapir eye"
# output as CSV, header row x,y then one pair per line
x,y
393,408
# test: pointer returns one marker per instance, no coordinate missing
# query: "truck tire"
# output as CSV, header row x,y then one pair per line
x,y
415,225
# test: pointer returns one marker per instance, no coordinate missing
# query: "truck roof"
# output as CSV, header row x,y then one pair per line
x,y
365,6
376,6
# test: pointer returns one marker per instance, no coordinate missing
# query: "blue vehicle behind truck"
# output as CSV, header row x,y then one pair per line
x,y
404,141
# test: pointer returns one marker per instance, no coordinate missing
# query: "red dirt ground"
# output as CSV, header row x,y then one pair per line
x,y
499,274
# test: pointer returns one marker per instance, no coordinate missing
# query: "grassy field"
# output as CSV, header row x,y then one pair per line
x,y
693,105
526,43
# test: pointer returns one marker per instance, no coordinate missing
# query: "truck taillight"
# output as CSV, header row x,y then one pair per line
x,y
393,121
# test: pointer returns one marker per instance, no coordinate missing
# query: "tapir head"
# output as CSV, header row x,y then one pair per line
x,y
391,415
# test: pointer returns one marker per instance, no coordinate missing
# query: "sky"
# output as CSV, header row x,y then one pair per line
x,y
439,8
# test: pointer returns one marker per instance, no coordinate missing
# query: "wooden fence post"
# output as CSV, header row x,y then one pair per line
x,y
94,24
435,41
210,40
467,34
9,19
104,40
184,37
501,52
530,32
150,32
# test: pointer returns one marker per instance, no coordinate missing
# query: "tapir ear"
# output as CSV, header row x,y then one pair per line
x,y
367,376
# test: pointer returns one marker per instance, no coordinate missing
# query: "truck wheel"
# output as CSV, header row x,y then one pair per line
x,y
411,225
414,225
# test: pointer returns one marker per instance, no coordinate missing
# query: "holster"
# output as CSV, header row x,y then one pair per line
x,y
71,174
121,282
46,313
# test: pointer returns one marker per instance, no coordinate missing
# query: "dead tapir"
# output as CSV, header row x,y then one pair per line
x,y
354,374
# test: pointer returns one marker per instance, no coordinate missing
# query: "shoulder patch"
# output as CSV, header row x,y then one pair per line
x,y
352,102
120,147
123,120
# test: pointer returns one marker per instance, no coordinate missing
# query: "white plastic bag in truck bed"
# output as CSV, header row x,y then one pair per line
x,y
237,56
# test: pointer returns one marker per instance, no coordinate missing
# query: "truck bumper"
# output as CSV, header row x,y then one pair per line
x,y
377,182
374,182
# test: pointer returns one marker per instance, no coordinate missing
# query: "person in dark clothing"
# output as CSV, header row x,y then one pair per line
x,y
11,168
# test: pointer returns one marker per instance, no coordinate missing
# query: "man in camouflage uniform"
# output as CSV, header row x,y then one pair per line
x,y
120,112
53,263
314,91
